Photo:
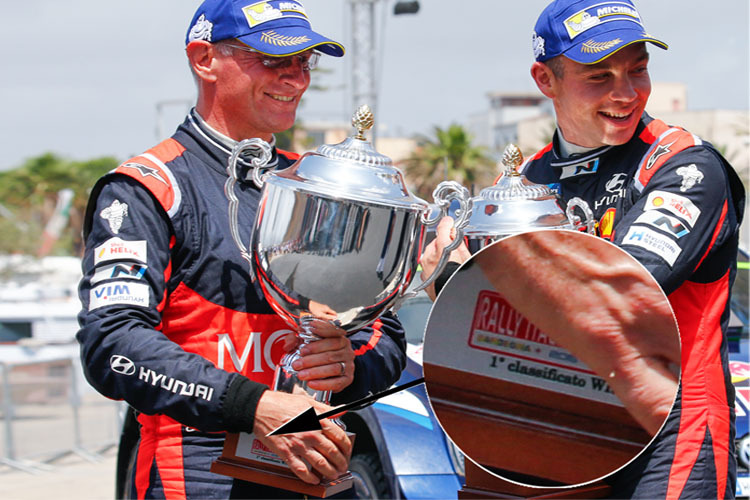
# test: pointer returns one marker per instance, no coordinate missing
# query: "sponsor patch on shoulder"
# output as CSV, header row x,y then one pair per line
x,y
671,225
118,292
121,270
654,242
115,214
119,249
690,176
679,205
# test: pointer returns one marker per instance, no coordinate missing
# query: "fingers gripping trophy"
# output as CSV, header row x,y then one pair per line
x,y
337,237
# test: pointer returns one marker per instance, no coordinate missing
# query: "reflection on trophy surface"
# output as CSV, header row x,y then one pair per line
x,y
338,236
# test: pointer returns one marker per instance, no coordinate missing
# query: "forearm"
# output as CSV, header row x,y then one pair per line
x,y
597,302
380,357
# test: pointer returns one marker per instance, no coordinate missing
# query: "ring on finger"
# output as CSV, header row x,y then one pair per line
x,y
343,368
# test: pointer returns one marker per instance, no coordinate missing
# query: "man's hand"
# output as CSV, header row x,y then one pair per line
x,y
599,303
326,364
310,455
445,233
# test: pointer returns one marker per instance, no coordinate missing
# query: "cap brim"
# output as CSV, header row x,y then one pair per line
x,y
603,45
291,40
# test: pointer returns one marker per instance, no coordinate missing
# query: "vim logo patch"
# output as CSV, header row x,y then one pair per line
x,y
119,292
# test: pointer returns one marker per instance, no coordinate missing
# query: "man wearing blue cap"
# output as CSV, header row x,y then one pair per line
x,y
171,322
666,197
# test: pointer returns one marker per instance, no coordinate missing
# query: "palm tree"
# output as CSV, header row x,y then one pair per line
x,y
29,195
450,156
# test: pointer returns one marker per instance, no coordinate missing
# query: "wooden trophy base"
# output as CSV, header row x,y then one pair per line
x,y
244,457
480,484
545,438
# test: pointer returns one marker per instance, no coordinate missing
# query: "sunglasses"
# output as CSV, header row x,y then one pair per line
x,y
308,60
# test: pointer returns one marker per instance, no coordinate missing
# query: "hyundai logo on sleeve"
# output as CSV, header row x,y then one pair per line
x,y
121,365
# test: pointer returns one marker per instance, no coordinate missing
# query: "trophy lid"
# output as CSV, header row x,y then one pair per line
x,y
514,204
352,169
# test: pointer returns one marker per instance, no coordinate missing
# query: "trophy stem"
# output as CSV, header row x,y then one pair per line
x,y
286,378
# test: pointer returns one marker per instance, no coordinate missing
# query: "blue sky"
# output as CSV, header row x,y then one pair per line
x,y
82,78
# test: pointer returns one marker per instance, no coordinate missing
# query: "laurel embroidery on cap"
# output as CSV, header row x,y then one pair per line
x,y
273,38
592,47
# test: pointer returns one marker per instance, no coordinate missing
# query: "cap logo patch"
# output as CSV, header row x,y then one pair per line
x,y
537,43
604,12
261,12
201,30
273,38
580,23
592,47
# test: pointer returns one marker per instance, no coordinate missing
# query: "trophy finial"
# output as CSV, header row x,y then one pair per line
x,y
512,159
362,120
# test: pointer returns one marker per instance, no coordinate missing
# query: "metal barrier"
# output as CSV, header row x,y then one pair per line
x,y
46,404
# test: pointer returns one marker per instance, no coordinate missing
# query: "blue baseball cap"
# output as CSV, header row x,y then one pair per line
x,y
272,27
588,31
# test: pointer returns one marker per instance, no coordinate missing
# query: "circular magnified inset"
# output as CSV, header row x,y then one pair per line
x,y
551,358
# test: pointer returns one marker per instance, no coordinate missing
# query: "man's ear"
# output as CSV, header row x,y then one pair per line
x,y
202,57
544,78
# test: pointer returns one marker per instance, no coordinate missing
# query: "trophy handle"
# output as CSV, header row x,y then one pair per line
x,y
234,204
575,220
444,193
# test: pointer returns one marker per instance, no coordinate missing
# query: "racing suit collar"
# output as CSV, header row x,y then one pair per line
x,y
562,156
568,149
223,145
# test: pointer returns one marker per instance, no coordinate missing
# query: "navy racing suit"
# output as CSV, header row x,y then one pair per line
x,y
171,322
675,204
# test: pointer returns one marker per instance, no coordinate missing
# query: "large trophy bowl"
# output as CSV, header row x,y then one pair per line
x,y
337,236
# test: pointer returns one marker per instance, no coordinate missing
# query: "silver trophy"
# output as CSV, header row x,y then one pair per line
x,y
337,236
514,205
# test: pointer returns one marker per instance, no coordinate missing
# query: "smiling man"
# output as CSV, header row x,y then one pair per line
x,y
670,200
188,341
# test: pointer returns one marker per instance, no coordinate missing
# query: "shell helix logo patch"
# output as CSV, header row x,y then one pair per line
x,y
262,12
584,20
119,249
678,205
